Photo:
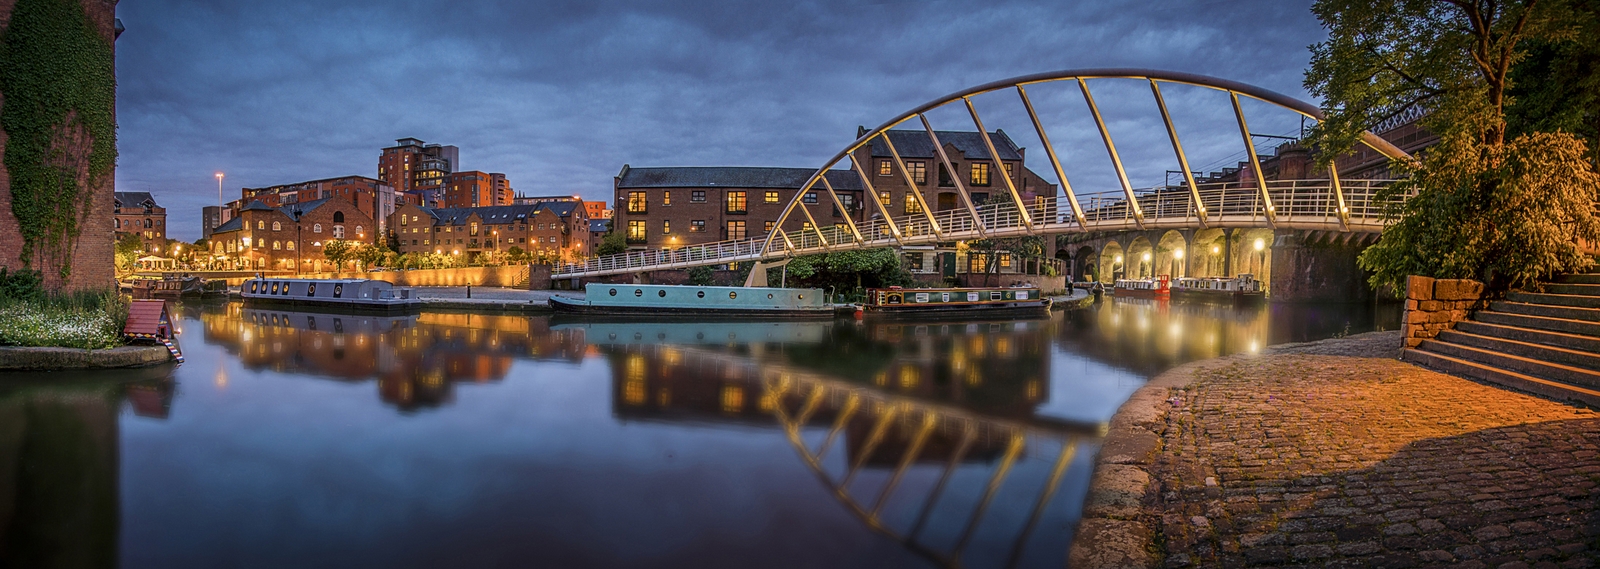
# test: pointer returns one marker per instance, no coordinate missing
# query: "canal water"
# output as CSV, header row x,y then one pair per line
x,y
458,440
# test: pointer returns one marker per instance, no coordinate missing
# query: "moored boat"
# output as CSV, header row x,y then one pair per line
x,y
346,295
1159,287
689,302
956,303
1239,289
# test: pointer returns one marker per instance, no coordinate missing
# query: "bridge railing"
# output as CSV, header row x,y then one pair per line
x,y
1226,203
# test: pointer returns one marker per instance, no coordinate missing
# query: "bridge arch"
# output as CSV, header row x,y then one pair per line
x,y
1171,253
1324,205
1208,256
1112,262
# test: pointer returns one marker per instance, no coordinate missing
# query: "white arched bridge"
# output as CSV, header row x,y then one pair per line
x,y
1327,204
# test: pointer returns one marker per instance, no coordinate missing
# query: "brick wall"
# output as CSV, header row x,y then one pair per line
x,y
92,259
1436,305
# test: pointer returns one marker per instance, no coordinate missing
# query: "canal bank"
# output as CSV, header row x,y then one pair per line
x,y
1334,453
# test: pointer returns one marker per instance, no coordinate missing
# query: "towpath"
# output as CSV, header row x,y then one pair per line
x,y
1335,454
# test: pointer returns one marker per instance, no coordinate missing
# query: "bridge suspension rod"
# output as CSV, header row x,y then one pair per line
x,y
988,144
1183,159
1050,150
1116,161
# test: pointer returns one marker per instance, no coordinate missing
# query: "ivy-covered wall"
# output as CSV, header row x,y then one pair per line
x,y
58,139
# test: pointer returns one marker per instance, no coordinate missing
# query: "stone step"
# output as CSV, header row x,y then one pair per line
x,y
1586,360
1575,300
1529,366
1532,336
1553,389
1562,325
1580,278
1546,310
1578,289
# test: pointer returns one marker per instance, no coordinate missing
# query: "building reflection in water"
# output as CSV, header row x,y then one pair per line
x,y
922,404
59,456
415,359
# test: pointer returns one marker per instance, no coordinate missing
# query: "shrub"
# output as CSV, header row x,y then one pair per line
x,y
84,319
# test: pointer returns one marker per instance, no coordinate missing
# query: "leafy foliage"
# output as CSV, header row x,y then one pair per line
x,y
700,276
1479,207
339,252
613,243
1504,214
59,82
129,248
849,273
32,316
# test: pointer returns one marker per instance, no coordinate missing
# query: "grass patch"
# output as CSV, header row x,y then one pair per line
x,y
30,316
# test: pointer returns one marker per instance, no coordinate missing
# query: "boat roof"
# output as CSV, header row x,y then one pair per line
x,y
344,281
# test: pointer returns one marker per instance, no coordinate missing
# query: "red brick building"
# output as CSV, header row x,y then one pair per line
x,y
88,262
292,237
975,169
660,208
474,189
137,213
413,167
370,196
552,230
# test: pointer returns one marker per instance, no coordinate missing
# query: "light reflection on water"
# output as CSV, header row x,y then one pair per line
x,y
293,438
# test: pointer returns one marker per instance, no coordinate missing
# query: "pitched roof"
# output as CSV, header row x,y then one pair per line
x,y
600,225
498,213
731,177
295,210
256,205
234,224
915,144
132,198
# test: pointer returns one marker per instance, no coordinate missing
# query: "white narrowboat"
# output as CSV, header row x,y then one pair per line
x,y
1240,289
342,295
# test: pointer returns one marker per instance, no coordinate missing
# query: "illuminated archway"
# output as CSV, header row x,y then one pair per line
x,y
1171,255
1112,262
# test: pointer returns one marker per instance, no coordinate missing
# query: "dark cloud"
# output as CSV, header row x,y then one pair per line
x,y
559,95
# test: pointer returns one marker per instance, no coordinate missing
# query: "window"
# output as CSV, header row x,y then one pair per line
x,y
473,232
944,178
810,197
276,226
402,220
636,231
977,263
736,202
697,226
636,202
919,171
697,196
767,227
736,229
914,261
884,198
289,245
338,232
912,205
276,245
259,224
849,202
980,174
805,226
358,231
338,217
666,226
771,197
885,168
980,198
1005,259
316,228
1008,169
666,198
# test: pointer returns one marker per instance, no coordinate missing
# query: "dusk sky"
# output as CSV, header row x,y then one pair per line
x,y
558,96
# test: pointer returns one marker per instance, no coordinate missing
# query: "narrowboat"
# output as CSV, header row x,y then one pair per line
x,y
956,303
1240,289
1159,287
343,295
630,301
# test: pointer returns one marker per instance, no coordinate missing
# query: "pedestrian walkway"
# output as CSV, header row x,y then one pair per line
x,y
1336,454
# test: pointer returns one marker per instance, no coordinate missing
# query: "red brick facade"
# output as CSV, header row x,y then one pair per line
x,y
669,208
973,169
268,238
90,262
136,213
557,230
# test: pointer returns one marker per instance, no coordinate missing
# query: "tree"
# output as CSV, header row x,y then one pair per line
x,y
1479,206
129,248
339,252
847,272
613,243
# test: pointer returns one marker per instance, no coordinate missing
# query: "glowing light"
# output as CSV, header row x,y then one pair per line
x,y
1215,249
1177,254
1260,244
1119,258
1146,256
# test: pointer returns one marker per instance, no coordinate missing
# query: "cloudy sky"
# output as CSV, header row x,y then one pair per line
x,y
559,95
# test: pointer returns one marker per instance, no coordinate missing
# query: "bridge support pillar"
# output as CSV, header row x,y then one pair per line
x,y
1310,267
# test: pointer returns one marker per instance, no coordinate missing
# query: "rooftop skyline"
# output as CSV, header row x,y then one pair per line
x,y
559,96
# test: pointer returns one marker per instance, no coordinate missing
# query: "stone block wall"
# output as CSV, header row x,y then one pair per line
x,y
1436,305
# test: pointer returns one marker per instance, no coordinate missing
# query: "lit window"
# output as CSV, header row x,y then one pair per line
x,y
912,204
289,245
636,231
276,245
636,202
767,227
735,229
736,202
259,224
885,168
666,226
771,197
919,171
884,198
1008,169
666,198
980,173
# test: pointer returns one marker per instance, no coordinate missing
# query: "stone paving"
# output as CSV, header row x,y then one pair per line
x,y
1334,454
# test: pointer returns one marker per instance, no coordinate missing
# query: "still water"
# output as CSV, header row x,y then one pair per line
x,y
456,440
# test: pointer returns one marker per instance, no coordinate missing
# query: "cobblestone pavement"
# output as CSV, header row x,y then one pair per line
x,y
1340,461
1334,454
